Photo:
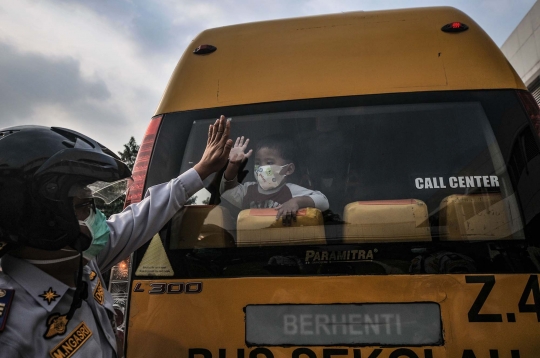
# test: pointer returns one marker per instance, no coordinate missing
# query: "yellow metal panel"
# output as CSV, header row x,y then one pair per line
x,y
345,54
168,325
386,220
258,227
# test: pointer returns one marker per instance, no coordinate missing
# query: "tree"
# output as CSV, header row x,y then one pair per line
x,y
128,156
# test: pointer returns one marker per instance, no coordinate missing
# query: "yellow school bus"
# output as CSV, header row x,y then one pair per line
x,y
418,146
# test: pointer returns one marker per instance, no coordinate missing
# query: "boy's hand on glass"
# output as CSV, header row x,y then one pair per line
x,y
288,211
238,151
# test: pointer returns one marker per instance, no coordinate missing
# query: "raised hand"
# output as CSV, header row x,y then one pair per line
x,y
237,154
218,147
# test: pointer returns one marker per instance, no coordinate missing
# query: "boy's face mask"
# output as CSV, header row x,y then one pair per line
x,y
96,223
268,176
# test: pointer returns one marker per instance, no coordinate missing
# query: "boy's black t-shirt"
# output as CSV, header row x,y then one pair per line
x,y
249,196
255,200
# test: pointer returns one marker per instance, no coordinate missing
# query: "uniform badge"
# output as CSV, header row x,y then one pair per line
x,y
92,275
99,294
72,343
56,325
6,296
49,295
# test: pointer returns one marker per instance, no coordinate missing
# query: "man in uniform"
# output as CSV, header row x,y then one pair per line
x,y
52,296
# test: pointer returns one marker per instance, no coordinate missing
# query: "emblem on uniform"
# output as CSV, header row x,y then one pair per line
x,y
6,296
99,294
92,275
49,295
56,325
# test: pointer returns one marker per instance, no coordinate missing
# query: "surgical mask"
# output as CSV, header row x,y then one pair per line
x,y
268,176
96,223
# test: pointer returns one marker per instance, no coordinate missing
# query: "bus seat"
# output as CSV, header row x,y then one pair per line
x,y
258,227
203,226
386,220
474,217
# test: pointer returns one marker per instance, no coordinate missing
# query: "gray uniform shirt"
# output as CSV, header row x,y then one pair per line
x,y
38,296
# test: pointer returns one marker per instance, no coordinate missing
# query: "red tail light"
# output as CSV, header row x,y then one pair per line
x,y
136,191
531,107
120,282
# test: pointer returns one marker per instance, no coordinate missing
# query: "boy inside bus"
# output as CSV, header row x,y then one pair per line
x,y
274,164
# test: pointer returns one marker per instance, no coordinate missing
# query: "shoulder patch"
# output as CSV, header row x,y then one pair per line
x,y
99,294
6,297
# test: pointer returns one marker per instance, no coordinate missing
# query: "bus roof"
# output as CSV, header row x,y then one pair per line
x,y
355,53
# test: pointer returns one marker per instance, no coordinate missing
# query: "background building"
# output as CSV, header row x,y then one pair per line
x,y
522,48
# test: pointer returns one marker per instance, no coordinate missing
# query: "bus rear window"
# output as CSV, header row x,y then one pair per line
x,y
379,190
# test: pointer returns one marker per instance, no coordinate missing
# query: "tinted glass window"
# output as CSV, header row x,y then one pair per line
x,y
381,189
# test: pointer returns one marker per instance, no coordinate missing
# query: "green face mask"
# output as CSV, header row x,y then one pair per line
x,y
96,223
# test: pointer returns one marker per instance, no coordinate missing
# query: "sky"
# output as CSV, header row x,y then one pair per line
x,y
100,66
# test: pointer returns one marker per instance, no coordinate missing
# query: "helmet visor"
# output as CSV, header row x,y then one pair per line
x,y
106,191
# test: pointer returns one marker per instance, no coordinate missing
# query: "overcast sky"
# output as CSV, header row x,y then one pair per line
x,y
100,66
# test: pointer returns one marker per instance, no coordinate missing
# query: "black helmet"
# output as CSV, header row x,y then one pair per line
x,y
38,167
